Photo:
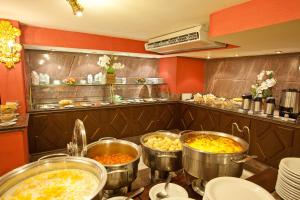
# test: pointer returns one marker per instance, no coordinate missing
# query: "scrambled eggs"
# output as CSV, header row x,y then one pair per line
x,y
64,184
214,144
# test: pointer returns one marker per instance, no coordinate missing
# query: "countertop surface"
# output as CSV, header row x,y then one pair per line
x,y
121,105
264,176
21,123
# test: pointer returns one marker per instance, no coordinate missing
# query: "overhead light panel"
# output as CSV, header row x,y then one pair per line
x,y
76,7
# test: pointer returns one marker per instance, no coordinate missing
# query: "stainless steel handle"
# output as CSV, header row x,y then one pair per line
x,y
166,156
185,131
118,171
247,158
246,128
53,155
107,138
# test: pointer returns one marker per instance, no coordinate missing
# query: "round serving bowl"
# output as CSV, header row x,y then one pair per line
x,y
206,166
17,175
161,160
118,175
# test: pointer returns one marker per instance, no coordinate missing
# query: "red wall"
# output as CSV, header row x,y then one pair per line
x,y
183,75
12,82
58,38
190,75
13,150
253,14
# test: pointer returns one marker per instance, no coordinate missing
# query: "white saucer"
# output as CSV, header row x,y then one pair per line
x,y
173,190
235,189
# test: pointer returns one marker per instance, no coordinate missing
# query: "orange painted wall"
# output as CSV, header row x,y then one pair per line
x,y
168,70
13,150
12,82
183,75
52,37
190,75
253,14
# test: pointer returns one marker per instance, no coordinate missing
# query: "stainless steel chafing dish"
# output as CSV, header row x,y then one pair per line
x,y
17,175
201,166
119,175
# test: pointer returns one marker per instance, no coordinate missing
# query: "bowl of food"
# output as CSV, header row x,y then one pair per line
x,y
65,102
209,154
119,157
8,108
162,151
55,178
7,117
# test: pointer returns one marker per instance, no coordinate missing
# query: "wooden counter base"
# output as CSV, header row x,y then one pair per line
x,y
270,140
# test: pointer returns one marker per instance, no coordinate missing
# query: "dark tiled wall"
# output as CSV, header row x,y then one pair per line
x,y
63,64
231,77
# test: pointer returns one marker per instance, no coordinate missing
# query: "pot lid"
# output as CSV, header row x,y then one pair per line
x,y
78,145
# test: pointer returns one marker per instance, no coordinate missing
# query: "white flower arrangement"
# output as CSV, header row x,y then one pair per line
x,y
109,64
265,82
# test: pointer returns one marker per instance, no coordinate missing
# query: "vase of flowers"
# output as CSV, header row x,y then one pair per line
x,y
264,84
110,64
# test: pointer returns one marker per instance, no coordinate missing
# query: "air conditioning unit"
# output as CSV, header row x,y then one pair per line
x,y
191,39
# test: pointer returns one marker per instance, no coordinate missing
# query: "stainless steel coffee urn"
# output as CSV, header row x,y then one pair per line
x,y
270,106
289,103
257,105
246,103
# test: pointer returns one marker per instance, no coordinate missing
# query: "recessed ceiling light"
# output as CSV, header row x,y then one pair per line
x,y
278,52
208,57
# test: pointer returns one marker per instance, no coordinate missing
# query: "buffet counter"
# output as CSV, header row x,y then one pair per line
x,y
264,176
270,139
21,123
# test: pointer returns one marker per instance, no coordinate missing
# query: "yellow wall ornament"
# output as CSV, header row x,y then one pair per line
x,y
9,49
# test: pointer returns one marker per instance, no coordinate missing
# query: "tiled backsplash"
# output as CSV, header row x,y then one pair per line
x,y
231,77
59,65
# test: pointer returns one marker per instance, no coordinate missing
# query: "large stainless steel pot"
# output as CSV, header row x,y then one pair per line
x,y
206,166
161,160
14,177
119,175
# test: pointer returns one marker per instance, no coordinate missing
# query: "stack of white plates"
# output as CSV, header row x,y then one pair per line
x,y
288,180
231,188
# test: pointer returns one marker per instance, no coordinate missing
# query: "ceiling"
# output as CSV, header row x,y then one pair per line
x,y
134,19
145,19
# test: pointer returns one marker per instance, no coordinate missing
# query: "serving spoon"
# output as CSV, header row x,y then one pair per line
x,y
164,194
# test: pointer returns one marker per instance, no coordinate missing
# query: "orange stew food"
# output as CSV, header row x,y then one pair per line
x,y
112,159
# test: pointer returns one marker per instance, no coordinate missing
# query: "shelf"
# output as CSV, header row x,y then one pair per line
x,y
103,85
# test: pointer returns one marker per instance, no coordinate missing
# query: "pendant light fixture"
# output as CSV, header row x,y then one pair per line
x,y
76,7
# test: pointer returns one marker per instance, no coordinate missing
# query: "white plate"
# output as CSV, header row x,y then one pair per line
x,y
287,187
235,189
118,198
173,190
286,180
288,173
285,194
292,165
7,123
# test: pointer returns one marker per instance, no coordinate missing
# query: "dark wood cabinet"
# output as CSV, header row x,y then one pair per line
x,y
269,140
54,130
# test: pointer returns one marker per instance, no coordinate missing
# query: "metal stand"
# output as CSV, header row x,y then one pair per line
x,y
158,176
